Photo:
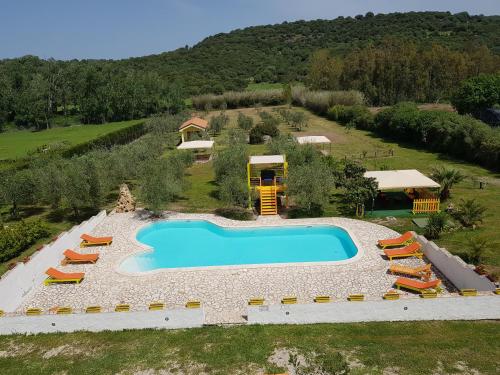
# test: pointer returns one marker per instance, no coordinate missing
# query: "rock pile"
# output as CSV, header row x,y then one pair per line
x,y
126,202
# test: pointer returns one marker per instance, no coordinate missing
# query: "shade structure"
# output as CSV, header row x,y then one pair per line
x,y
401,179
313,139
267,159
194,145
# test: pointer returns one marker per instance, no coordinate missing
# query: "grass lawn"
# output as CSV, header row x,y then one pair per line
x,y
371,348
18,143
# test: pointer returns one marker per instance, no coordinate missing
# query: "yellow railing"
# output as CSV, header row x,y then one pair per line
x,y
425,205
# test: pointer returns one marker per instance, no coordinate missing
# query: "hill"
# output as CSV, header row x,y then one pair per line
x,y
454,47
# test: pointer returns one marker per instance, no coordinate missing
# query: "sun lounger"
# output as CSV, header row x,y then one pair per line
x,y
95,241
72,257
56,276
416,285
423,272
402,240
411,250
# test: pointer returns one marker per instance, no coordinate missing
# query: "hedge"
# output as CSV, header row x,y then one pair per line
x,y
459,136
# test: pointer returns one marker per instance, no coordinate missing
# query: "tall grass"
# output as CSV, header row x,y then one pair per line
x,y
316,101
320,101
238,99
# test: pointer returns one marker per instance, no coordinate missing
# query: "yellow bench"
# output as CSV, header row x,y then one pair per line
x,y
289,301
256,302
64,310
93,309
156,306
468,292
193,305
391,296
33,311
122,307
497,291
429,294
322,299
356,297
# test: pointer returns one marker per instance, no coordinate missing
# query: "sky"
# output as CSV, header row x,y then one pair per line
x,y
114,29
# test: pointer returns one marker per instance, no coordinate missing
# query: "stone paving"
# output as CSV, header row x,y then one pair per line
x,y
224,292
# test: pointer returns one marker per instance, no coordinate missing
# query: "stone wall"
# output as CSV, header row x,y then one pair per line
x,y
114,321
461,274
17,283
441,308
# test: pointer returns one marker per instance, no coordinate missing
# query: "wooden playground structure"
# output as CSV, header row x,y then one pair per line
x,y
266,176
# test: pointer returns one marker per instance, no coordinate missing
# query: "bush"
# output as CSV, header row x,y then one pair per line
x,y
235,213
477,93
470,212
435,225
16,238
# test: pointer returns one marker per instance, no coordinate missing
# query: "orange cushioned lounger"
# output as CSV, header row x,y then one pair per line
x,y
411,250
419,286
423,272
56,276
74,257
95,241
402,240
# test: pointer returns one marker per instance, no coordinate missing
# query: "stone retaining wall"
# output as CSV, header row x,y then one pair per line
x,y
17,283
461,274
113,321
444,308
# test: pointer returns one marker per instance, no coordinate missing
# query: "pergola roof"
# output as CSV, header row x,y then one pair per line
x,y
196,122
401,179
267,159
317,139
192,145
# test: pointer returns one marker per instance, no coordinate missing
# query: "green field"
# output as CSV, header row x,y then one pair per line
x,y
18,143
372,348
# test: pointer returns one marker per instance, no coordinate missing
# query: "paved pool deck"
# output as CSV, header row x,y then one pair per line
x,y
224,292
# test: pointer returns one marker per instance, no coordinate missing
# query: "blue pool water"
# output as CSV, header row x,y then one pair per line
x,y
200,243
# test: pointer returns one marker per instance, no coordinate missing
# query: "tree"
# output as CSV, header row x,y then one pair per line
x,y
17,188
244,122
325,71
446,177
233,191
159,185
477,93
298,120
310,185
33,106
470,212
217,123
231,161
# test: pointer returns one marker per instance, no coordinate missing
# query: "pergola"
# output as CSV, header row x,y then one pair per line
x,y
315,140
201,148
414,183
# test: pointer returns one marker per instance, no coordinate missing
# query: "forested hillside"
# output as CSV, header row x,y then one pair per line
x,y
453,47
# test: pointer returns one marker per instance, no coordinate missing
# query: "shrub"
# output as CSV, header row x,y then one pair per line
x,y
446,177
235,213
16,238
477,93
435,225
320,101
239,99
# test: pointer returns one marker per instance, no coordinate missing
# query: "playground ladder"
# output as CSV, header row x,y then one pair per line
x,y
268,200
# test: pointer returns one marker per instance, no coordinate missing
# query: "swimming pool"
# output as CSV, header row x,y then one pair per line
x,y
185,244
